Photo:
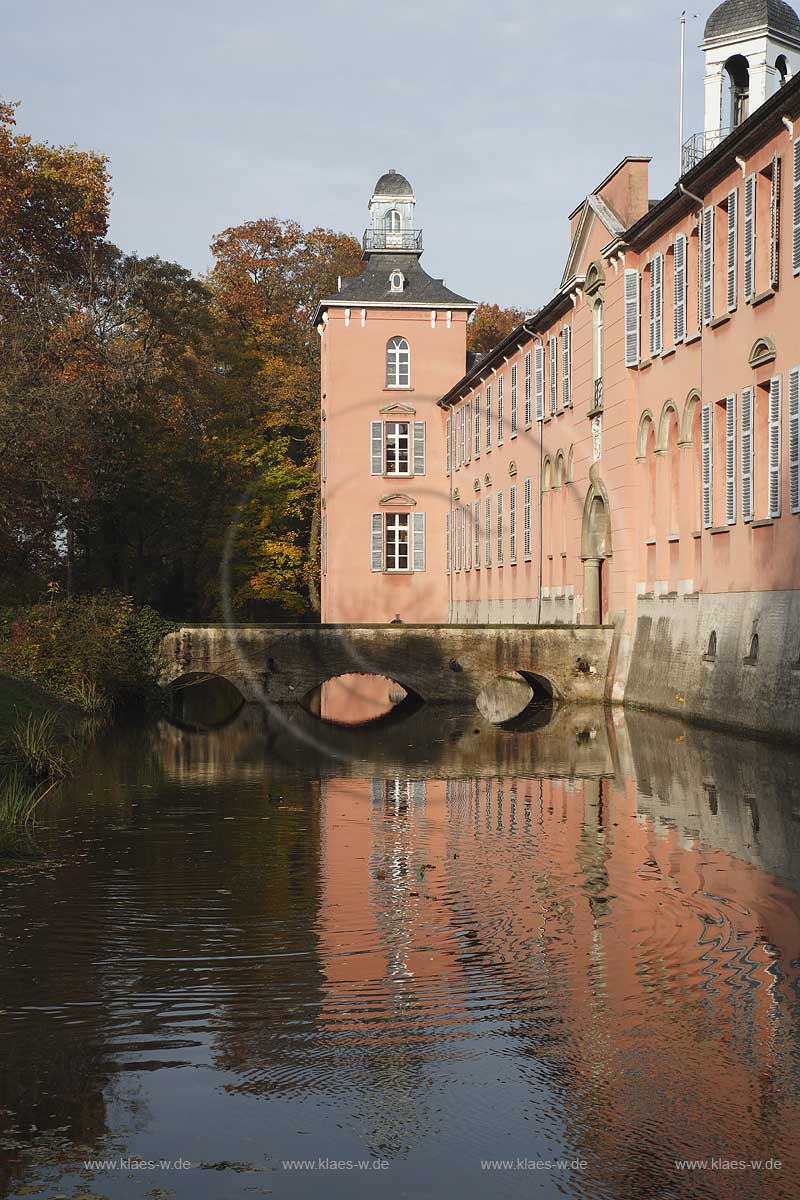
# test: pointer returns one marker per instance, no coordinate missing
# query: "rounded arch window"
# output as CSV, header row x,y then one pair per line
x,y
393,221
737,69
398,363
782,67
396,281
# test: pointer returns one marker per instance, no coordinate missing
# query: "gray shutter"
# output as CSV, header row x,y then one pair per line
x,y
377,541
775,446
796,210
679,281
468,432
794,440
528,390
468,519
566,366
527,520
448,551
419,447
700,274
775,224
487,437
418,533
512,524
553,374
656,305
708,265
514,400
477,532
632,352
487,535
501,388
730,460
733,257
747,454
377,447
749,236
477,426
449,447
500,530
706,430
539,355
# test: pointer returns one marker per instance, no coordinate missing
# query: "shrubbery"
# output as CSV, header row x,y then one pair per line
x,y
98,651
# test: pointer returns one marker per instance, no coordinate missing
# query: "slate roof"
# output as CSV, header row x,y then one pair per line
x,y
737,16
372,286
393,184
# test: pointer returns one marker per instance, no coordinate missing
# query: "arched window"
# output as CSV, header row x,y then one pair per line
x,y
393,221
398,368
738,71
782,67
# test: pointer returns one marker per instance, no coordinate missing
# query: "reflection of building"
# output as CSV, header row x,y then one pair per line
x,y
629,453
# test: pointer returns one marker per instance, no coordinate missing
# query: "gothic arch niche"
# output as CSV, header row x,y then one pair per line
x,y
595,551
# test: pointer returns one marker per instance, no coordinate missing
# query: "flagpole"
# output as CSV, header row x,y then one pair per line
x,y
680,118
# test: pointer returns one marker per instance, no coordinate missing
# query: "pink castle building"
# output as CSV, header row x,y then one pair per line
x,y
630,454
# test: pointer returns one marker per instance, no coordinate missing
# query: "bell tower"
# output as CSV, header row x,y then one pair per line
x,y
752,47
391,211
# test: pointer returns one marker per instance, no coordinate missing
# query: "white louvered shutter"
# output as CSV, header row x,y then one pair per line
x,y
448,550
514,400
527,520
477,531
749,236
501,416
468,431
487,537
539,353
796,209
477,426
632,289
775,224
377,541
566,366
512,524
775,446
733,255
679,283
468,536
706,430
656,305
700,275
419,447
730,460
377,447
488,434
794,440
553,375
500,529
528,390
460,459
747,454
708,265
449,448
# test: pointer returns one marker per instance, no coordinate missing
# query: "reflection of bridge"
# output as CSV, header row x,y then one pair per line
x,y
439,663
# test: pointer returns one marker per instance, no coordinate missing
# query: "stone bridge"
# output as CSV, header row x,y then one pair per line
x,y
441,664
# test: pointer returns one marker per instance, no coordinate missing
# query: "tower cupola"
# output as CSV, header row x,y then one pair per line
x,y
752,48
391,212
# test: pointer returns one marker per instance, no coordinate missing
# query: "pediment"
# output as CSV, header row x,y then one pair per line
x,y
399,499
398,410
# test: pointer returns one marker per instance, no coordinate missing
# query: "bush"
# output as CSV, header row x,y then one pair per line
x,y
99,650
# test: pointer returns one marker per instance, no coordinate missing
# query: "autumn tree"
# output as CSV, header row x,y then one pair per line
x,y
490,325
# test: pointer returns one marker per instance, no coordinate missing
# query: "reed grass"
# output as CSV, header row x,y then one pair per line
x,y
35,747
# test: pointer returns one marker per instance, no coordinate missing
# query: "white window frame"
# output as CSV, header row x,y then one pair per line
x,y
398,363
396,442
750,233
730,459
393,543
747,399
487,533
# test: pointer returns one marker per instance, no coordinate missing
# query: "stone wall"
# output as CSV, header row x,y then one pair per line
x,y
557,609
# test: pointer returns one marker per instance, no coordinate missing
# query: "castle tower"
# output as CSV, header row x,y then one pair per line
x,y
393,342
752,47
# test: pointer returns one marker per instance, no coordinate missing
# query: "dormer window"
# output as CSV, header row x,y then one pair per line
x,y
396,281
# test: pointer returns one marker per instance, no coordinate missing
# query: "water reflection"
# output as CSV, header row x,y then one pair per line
x,y
445,943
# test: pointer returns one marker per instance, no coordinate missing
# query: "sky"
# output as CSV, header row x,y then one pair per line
x,y
503,115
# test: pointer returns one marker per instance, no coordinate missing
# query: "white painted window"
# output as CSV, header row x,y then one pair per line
x,y
775,446
749,237
656,305
488,532
730,460
397,542
501,419
477,426
707,464
794,440
775,223
708,265
526,550
747,453
796,208
512,525
733,247
500,529
632,331
488,417
398,448
539,353
477,532
679,288
514,391
566,365
398,363
528,391
553,375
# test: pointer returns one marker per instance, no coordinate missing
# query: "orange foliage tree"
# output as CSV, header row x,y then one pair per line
x,y
490,325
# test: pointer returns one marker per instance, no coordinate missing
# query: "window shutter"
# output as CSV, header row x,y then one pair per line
x,y
468,433
775,224
477,532
794,440
733,257
377,541
749,236
566,366
448,550
514,400
527,520
488,532
528,389
461,435
468,517
656,305
707,465
553,375
477,426
730,460
419,447
500,530
501,387
631,318
775,446
796,211
708,265
512,524
679,281
418,535
488,435
747,454
539,383
377,447
459,544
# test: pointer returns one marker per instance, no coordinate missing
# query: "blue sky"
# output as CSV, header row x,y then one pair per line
x,y
502,116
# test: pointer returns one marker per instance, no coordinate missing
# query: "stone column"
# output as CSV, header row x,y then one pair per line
x,y
591,590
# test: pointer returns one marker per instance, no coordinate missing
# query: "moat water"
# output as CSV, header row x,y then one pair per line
x,y
421,959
